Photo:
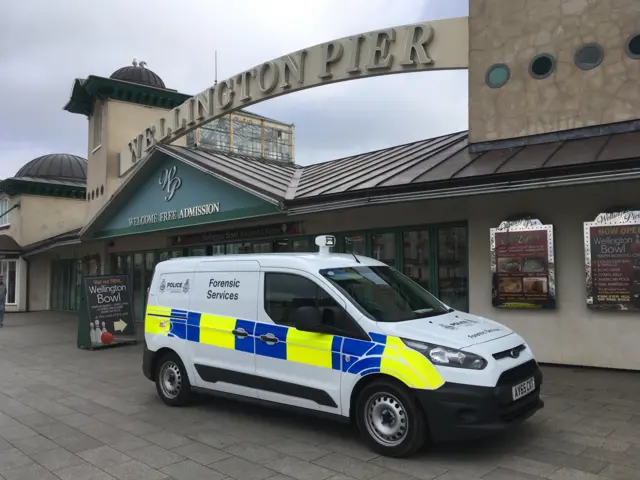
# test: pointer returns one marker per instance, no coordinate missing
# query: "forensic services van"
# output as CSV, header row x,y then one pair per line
x,y
337,334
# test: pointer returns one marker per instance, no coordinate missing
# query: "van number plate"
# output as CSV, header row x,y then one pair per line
x,y
523,388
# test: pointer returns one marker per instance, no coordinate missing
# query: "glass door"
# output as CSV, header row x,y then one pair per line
x,y
416,256
138,283
453,274
383,248
149,266
355,243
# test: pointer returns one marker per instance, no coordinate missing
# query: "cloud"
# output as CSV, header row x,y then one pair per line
x,y
44,45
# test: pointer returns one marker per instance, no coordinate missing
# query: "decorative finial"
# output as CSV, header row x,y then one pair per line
x,y
142,64
135,62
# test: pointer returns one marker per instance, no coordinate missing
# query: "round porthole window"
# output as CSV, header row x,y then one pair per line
x,y
498,75
633,46
542,65
589,56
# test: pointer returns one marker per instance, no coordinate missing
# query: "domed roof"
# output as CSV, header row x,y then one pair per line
x,y
138,73
55,166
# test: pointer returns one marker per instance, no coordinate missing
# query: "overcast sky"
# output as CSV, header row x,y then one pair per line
x,y
45,44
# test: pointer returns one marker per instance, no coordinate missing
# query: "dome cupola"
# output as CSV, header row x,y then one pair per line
x,y
138,73
55,166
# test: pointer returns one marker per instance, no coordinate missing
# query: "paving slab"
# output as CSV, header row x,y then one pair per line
x,y
61,419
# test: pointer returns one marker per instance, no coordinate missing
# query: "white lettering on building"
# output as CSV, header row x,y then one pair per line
x,y
186,212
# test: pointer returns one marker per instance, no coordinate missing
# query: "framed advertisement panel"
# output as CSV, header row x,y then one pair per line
x,y
106,317
523,265
612,261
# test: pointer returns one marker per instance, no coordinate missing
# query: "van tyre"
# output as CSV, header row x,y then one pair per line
x,y
172,382
390,420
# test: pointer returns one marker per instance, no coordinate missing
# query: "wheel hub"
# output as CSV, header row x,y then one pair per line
x,y
386,419
170,380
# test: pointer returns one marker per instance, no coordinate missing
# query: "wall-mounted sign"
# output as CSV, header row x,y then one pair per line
x,y
438,45
612,261
170,182
274,230
167,215
523,265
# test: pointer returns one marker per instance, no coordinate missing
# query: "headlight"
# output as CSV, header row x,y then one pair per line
x,y
448,357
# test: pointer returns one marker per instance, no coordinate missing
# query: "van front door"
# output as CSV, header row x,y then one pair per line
x,y
295,367
221,325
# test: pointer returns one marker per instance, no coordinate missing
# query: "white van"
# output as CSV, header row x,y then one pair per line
x,y
340,335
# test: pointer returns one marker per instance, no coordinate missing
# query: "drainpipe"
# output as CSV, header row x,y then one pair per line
x,y
28,264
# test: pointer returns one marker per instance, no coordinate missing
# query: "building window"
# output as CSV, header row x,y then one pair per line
x,y
633,46
383,248
8,269
302,245
355,244
416,254
498,75
542,66
453,267
589,56
96,120
4,212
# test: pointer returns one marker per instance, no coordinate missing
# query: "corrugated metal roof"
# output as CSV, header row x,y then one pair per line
x,y
52,241
436,160
447,158
8,244
266,176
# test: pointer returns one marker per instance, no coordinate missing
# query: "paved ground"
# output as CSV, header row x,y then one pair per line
x,y
71,414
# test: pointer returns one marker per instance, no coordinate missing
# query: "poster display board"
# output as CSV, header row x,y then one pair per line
x,y
612,261
523,265
110,315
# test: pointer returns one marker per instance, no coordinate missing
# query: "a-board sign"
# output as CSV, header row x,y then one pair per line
x,y
108,300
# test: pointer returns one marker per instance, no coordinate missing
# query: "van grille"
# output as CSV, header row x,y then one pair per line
x,y
507,353
519,373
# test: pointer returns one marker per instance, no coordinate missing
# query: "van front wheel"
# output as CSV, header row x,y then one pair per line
x,y
172,382
389,419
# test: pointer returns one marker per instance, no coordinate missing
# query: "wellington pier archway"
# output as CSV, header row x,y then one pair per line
x,y
437,45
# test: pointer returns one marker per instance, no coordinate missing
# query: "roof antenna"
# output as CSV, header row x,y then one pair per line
x,y
354,256
216,68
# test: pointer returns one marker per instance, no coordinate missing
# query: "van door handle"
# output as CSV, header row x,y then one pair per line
x,y
269,338
240,332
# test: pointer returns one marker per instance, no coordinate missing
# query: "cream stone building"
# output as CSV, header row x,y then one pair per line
x,y
531,217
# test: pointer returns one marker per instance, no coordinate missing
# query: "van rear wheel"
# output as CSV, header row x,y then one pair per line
x,y
390,420
172,382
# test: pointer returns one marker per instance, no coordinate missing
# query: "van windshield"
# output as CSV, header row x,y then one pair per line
x,y
384,294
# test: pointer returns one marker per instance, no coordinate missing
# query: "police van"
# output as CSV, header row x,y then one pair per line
x,y
340,335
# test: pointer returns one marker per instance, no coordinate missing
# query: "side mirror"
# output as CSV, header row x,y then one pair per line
x,y
308,319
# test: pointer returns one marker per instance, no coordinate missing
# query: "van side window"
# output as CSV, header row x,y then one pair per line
x,y
286,292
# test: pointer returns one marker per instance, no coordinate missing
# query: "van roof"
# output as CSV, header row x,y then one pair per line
x,y
303,261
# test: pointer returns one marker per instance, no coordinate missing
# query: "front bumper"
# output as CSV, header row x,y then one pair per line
x,y
464,412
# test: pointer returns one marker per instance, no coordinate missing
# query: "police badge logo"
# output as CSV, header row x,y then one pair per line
x,y
163,285
185,287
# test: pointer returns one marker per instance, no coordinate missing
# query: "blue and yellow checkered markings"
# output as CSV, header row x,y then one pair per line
x,y
384,354
336,349
246,344
271,350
